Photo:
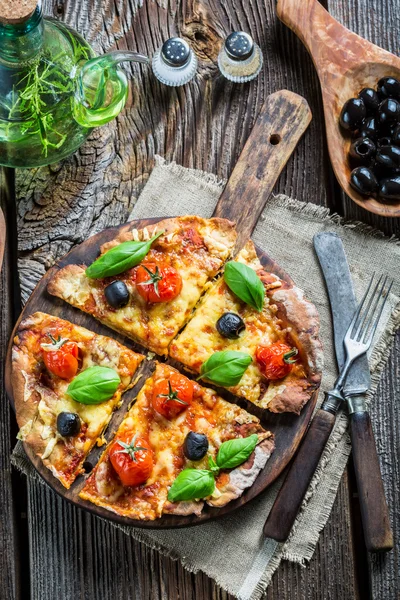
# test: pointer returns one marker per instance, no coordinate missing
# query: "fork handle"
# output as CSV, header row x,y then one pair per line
x,y
288,501
374,510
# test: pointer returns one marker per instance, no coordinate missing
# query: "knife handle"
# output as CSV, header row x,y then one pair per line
x,y
288,501
374,511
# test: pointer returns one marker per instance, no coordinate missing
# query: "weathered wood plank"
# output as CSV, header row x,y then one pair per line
x,y
9,551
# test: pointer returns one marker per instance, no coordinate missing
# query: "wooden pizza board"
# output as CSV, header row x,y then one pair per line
x,y
280,124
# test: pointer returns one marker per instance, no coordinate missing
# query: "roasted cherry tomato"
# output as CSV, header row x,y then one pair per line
x,y
158,283
276,361
172,396
61,357
132,458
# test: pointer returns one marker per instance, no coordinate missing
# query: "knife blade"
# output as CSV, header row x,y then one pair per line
x,y
335,268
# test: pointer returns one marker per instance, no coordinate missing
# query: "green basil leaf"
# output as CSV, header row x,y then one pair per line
x,y
191,484
225,368
212,465
233,453
245,284
120,258
94,385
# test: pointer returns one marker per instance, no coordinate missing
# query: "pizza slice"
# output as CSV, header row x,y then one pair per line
x,y
179,446
149,296
276,342
53,362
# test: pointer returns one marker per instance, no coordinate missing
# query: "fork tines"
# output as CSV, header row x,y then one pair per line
x,y
369,311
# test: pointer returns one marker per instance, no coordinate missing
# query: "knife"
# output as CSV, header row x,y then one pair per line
x,y
333,261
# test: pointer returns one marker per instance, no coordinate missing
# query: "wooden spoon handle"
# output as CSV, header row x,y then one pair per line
x,y
288,501
283,119
374,511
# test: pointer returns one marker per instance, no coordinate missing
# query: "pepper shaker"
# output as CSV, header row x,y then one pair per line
x,y
240,59
174,63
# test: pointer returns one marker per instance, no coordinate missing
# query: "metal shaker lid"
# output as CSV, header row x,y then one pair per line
x,y
239,45
175,52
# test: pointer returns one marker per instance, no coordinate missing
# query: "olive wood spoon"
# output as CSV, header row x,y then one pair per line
x,y
345,63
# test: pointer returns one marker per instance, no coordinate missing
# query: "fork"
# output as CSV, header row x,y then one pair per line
x,y
374,511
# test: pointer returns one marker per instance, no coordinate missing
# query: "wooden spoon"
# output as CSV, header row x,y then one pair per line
x,y
345,64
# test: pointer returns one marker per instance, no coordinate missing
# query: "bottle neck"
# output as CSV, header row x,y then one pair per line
x,y
21,42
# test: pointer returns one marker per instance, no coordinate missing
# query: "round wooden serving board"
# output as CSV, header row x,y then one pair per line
x,y
280,124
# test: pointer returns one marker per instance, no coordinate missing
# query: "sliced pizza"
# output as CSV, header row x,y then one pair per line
x,y
260,340
146,282
180,445
66,382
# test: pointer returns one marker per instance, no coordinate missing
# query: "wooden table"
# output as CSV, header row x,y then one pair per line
x,y
69,554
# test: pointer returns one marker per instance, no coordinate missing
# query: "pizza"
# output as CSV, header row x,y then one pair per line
x,y
281,339
153,300
53,360
180,446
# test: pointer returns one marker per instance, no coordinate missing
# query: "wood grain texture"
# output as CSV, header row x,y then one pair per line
x,y
287,428
345,63
203,125
374,511
281,122
288,501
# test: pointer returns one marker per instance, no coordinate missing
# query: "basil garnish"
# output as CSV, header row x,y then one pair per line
x,y
94,385
245,284
191,483
200,483
225,368
120,258
234,452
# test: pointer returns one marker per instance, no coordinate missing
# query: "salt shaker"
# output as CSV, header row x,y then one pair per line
x,y
174,63
240,59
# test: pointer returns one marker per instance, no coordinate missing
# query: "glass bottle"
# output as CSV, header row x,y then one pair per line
x,y
53,89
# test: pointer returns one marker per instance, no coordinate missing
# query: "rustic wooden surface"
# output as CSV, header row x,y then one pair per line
x,y
205,125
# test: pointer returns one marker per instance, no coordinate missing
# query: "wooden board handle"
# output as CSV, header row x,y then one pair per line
x,y
282,120
374,511
288,501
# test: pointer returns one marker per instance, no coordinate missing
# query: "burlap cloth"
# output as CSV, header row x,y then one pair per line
x,y
232,550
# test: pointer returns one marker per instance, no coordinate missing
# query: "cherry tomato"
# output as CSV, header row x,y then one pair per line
x,y
276,361
158,283
61,357
132,458
172,396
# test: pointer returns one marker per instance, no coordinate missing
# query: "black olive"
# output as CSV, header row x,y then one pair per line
x,y
117,294
230,325
389,87
363,181
353,113
389,189
68,424
384,141
195,445
363,149
389,111
396,136
370,99
369,128
389,156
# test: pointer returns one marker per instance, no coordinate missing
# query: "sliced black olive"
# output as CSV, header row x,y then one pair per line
x,y
396,136
389,156
389,189
195,445
384,141
369,128
363,180
117,294
389,87
363,150
353,113
389,111
230,325
68,424
370,99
